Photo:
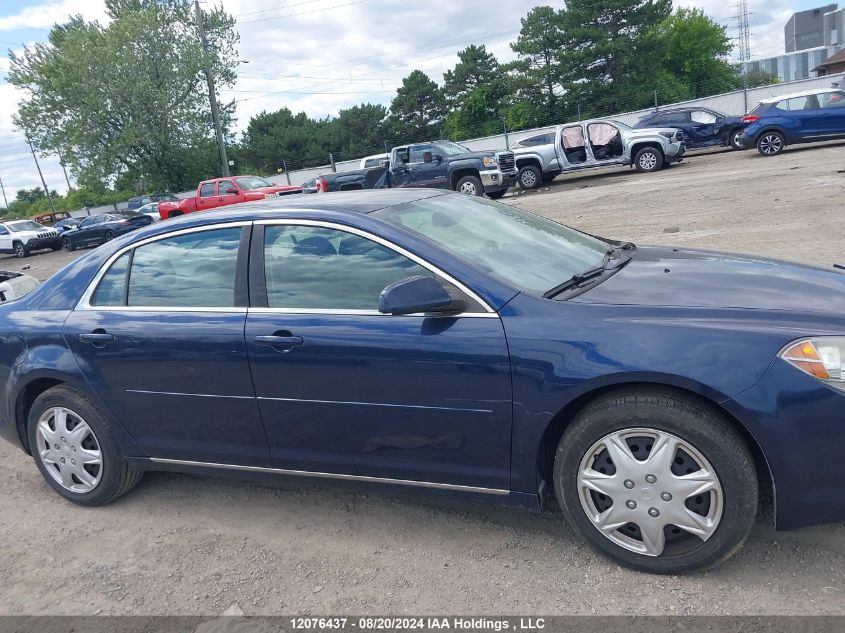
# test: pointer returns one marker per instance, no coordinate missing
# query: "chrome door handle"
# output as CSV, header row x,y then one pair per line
x,y
98,339
280,342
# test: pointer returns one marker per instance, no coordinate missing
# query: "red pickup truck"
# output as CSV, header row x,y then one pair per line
x,y
222,191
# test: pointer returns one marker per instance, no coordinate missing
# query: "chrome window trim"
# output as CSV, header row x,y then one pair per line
x,y
84,302
388,244
375,313
341,476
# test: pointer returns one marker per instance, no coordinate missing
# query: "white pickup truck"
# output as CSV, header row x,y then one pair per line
x,y
592,144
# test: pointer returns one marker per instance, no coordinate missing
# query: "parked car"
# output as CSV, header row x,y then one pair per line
x,y
98,229
598,143
435,165
220,192
702,127
13,285
66,225
424,340
50,218
140,201
802,117
376,160
310,185
21,237
151,210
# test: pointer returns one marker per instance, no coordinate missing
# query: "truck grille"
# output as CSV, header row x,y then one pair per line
x,y
47,234
506,161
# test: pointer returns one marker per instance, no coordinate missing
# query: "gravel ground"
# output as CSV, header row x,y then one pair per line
x,y
188,545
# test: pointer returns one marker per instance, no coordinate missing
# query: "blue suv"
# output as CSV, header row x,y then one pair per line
x,y
701,127
806,117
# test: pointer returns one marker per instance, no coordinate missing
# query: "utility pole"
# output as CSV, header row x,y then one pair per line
x,y
212,93
3,189
67,180
38,167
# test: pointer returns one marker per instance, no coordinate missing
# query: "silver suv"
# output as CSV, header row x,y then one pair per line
x,y
597,143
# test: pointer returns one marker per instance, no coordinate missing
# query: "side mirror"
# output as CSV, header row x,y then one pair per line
x,y
412,295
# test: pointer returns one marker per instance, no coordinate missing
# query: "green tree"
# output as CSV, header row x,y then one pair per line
x,y
419,104
690,46
475,68
129,96
538,45
757,78
606,54
359,130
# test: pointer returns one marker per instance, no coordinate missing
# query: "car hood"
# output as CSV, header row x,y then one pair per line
x,y
663,276
273,189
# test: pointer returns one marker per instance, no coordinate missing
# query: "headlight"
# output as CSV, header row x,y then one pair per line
x,y
490,161
820,357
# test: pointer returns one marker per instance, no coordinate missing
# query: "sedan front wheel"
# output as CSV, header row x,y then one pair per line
x,y
657,481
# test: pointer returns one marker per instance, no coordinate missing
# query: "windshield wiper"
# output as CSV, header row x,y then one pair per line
x,y
614,258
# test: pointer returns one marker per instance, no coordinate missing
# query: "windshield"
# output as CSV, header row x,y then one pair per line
x,y
521,249
252,182
450,148
25,225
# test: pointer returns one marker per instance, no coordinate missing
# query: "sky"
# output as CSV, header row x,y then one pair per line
x,y
319,56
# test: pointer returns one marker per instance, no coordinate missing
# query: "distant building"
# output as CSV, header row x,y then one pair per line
x,y
832,66
811,38
806,29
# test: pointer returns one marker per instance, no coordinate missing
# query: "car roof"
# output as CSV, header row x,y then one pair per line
x,y
360,201
683,109
805,93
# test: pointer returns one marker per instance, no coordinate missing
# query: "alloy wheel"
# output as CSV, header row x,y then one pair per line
x,y
650,492
528,179
69,450
648,161
771,144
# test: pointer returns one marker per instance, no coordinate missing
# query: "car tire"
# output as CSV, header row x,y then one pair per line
x,y
495,195
68,245
470,186
109,236
648,159
733,140
770,143
651,422
65,424
20,250
529,177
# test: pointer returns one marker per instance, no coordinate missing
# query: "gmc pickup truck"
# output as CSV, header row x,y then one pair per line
x,y
438,165
219,192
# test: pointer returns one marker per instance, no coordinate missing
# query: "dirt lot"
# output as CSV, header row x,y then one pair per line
x,y
190,545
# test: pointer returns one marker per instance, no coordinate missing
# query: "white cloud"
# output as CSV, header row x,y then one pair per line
x,y
43,16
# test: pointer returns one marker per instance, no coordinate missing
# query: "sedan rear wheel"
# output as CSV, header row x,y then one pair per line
x,y
68,245
73,446
109,236
657,481
771,144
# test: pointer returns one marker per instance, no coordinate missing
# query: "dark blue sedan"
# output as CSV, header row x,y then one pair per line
x,y
97,229
426,340
701,127
805,117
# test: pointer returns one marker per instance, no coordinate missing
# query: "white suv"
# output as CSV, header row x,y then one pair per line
x,y
23,236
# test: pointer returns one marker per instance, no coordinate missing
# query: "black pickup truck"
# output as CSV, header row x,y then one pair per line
x,y
437,165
